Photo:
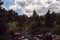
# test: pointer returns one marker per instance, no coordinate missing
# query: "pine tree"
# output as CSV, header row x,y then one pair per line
x,y
1,3
48,19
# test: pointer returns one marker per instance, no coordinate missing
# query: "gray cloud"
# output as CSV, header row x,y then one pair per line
x,y
41,6
42,10
22,4
49,2
57,0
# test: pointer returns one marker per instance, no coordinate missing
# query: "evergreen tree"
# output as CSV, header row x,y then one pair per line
x,y
35,22
48,19
1,3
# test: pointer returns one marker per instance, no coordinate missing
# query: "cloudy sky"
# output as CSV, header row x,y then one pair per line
x,y
27,6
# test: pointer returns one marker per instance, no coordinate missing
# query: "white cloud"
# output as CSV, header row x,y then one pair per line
x,y
4,7
14,7
41,6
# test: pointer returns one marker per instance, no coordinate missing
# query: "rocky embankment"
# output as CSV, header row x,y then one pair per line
x,y
27,36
